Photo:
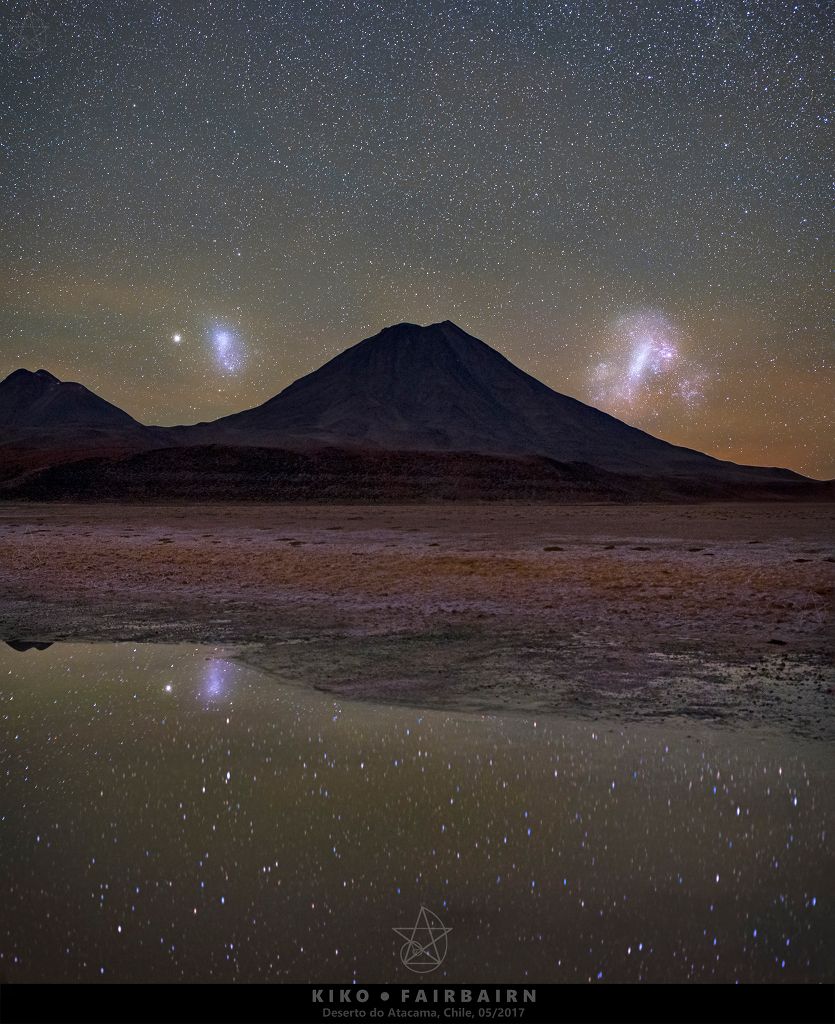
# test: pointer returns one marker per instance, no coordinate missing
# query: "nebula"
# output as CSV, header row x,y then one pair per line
x,y
644,367
228,349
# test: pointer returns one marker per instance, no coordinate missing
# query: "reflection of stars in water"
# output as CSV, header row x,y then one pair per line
x,y
228,349
289,823
644,369
217,678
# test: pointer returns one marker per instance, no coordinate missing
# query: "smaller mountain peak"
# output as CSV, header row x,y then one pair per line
x,y
42,376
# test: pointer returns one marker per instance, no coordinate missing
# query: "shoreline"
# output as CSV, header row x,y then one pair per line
x,y
707,613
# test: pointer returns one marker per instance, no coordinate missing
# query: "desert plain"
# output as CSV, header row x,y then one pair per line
x,y
712,612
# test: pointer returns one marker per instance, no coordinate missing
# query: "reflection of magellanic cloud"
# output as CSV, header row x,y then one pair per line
x,y
218,680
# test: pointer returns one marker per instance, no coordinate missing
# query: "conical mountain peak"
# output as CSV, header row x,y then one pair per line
x,y
408,388
438,388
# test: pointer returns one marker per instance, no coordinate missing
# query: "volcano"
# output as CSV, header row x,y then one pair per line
x,y
40,410
439,389
413,413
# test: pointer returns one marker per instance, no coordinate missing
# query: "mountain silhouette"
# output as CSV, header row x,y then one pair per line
x,y
412,410
437,388
38,409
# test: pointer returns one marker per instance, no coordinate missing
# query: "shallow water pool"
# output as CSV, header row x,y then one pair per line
x,y
170,814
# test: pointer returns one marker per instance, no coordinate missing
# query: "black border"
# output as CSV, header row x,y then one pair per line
x,y
258,1004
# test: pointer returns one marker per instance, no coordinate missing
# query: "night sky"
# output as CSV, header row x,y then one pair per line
x,y
201,202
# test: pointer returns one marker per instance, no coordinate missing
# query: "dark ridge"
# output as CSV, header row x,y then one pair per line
x,y
438,388
221,473
410,399
37,410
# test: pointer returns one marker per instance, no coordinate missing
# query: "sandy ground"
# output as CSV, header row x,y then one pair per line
x,y
719,612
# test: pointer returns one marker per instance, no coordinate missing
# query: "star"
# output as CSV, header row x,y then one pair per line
x,y
534,172
30,33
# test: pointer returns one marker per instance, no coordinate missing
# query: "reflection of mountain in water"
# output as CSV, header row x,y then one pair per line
x,y
28,645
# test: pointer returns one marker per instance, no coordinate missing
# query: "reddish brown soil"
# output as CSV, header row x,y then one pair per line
x,y
721,611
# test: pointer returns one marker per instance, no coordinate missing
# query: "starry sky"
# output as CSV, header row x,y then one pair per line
x,y
201,202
